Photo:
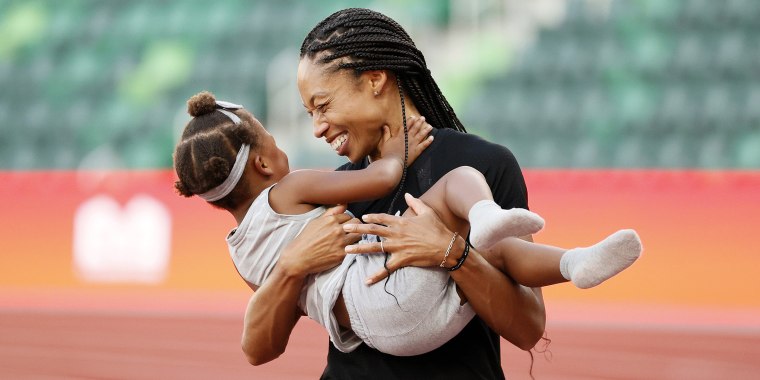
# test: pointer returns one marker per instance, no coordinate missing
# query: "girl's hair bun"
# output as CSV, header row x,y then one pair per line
x,y
201,103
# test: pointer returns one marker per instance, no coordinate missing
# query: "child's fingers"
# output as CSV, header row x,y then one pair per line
x,y
415,124
335,210
386,133
424,130
425,143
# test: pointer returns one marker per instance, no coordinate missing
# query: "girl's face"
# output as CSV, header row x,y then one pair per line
x,y
343,108
274,157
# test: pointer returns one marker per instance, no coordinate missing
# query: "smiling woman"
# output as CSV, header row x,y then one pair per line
x,y
360,73
332,102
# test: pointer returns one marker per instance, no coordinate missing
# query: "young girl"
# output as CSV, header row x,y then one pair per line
x,y
227,158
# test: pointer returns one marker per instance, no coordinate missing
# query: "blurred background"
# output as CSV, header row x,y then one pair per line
x,y
623,114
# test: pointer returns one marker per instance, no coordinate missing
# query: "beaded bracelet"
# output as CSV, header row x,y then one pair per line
x,y
464,256
448,250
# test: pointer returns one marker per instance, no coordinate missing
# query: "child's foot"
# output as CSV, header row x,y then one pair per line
x,y
489,223
590,266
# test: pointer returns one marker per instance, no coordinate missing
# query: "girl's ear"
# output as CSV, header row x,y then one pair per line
x,y
260,165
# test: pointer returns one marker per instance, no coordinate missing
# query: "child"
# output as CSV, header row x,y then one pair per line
x,y
226,157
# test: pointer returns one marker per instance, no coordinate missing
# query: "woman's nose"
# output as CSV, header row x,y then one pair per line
x,y
319,126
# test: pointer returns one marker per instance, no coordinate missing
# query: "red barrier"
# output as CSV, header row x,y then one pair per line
x,y
130,231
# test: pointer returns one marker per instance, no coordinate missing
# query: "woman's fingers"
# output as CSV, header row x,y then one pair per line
x,y
351,238
419,207
391,266
377,277
373,229
383,219
364,248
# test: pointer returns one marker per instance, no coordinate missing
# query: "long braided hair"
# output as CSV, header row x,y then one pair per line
x,y
368,40
361,40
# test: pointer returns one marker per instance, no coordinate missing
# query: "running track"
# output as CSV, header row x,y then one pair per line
x,y
107,336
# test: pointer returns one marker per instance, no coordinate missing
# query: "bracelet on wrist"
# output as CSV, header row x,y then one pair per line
x,y
448,250
464,256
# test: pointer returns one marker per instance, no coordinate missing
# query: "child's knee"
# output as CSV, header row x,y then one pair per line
x,y
466,172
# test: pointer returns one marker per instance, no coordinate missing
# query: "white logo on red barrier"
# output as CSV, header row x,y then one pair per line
x,y
127,245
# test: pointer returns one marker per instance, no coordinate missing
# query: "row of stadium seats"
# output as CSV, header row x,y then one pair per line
x,y
634,89
94,83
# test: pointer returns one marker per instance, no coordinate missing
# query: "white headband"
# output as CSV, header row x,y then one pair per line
x,y
226,187
241,160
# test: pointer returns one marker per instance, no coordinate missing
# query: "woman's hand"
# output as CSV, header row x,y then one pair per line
x,y
417,240
392,146
320,246
512,311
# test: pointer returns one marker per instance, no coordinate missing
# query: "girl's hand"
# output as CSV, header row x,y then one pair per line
x,y
392,146
416,240
321,245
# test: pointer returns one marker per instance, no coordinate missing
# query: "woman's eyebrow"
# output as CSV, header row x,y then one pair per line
x,y
316,95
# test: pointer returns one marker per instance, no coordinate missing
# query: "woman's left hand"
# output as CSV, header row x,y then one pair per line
x,y
419,239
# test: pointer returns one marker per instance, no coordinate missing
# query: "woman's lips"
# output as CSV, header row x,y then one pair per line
x,y
339,144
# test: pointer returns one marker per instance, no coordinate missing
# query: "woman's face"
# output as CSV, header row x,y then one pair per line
x,y
344,110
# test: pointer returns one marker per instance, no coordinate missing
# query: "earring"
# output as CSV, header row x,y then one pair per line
x,y
377,93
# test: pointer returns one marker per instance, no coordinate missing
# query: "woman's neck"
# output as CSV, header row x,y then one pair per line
x,y
396,125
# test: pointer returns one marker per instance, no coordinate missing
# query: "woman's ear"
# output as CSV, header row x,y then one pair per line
x,y
260,165
377,81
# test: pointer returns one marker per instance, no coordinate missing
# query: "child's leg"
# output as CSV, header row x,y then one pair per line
x,y
463,194
530,264
536,265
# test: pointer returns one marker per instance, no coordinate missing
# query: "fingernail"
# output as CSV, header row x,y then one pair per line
x,y
368,281
364,218
350,248
422,118
348,227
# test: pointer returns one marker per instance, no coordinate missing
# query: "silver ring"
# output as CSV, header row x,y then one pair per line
x,y
381,246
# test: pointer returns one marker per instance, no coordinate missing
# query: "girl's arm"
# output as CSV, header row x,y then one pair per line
x,y
340,187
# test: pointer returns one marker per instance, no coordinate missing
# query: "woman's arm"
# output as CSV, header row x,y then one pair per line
x,y
513,311
273,311
271,315
340,187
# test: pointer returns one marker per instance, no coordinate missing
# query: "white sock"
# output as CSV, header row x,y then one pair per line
x,y
590,266
489,223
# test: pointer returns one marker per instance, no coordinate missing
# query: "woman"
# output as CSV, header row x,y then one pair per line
x,y
358,72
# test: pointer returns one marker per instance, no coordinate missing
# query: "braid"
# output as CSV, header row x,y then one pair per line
x,y
398,191
372,41
406,153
